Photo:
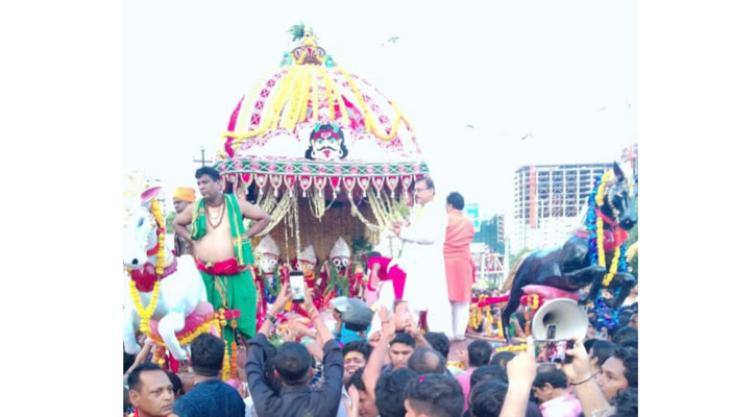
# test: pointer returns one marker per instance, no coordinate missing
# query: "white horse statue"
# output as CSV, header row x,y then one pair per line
x,y
169,289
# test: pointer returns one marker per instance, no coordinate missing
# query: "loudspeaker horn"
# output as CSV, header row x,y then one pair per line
x,y
569,318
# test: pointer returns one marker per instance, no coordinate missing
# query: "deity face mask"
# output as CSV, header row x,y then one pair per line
x,y
306,267
268,263
307,259
340,262
326,143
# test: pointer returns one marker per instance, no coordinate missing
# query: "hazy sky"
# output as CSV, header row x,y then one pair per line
x,y
562,72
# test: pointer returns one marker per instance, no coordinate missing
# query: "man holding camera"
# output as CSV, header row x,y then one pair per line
x,y
292,366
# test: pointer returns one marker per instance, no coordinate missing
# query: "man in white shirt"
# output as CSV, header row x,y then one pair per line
x,y
422,258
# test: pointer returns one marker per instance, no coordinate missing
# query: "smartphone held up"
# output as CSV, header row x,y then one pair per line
x,y
296,280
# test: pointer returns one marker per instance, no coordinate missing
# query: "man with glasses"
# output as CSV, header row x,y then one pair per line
x,y
422,258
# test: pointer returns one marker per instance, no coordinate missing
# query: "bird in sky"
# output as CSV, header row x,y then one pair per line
x,y
392,39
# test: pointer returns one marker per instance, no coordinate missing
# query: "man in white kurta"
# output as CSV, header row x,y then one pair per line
x,y
422,258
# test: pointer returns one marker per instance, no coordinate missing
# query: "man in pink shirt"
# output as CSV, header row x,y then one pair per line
x,y
552,391
478,354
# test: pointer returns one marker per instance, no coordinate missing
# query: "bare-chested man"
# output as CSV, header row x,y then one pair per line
x,y
182,198
222,249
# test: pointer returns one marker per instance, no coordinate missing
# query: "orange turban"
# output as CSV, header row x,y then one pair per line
x,y
185,194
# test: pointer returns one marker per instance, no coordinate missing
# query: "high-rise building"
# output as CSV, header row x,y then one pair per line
x,y
500,224
548,200
490,233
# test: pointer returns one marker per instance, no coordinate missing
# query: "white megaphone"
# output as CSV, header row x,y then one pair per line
x,y
559,319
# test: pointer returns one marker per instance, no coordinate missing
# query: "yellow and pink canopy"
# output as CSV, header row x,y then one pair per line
x,y
311,125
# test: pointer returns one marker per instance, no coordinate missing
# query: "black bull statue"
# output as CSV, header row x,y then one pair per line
x,y
569,267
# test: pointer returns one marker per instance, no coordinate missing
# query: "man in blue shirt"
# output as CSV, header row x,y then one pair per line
x,y
210,397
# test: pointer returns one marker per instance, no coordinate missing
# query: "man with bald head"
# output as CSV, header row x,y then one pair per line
x,y
427,361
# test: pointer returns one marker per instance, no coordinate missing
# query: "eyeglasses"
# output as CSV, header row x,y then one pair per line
x,y
417,190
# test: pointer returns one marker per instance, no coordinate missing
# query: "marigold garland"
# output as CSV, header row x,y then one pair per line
x,y
475,317
534,301
154,208
512,348
144,314
226,372
234,358
186,339
599,200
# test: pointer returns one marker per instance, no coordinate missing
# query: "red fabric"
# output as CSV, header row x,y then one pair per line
x,y
617,235
146,277
172,363
612,239
227,267
458,258
491,300
153,251
396,275
383,262
544,291
355,283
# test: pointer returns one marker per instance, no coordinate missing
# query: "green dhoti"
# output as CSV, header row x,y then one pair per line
x,y
230,283
234,292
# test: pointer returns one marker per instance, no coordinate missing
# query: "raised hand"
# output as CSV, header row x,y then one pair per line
x,y
309,306
388,327
579,369
353,410
284,296
522,369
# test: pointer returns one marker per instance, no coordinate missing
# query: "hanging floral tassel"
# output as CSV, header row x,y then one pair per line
x,y
527,322
234,359
226,372
159,357
234,351
158,215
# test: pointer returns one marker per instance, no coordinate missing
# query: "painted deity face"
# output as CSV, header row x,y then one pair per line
x,y
341,262
326,143
268,263
306,267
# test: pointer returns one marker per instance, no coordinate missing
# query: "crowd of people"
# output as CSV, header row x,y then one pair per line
x,y
405,371
402,366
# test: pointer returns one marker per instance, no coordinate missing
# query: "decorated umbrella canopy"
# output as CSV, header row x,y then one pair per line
x,y
313,137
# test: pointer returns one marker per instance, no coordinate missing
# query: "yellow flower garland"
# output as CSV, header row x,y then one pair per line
x,y
534,301
226,372
144,314
154,208
512,348
599,200
186,339
289,104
